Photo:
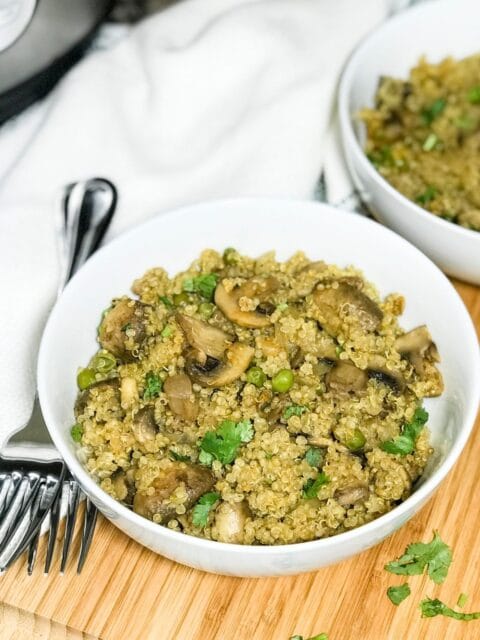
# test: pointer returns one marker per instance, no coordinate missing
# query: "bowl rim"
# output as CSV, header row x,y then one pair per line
x,y
418,497
350,139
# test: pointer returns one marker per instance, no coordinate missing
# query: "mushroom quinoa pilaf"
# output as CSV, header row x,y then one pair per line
x,y
424,137
255,401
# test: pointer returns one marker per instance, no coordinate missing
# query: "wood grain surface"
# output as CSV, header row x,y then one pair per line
x,y
128,592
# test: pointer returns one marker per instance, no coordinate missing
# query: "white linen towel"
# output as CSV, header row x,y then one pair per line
x,y
210,98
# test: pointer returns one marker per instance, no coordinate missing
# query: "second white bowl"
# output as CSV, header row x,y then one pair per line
x,y
436,29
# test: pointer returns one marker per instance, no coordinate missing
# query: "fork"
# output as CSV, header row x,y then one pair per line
x,y
33,486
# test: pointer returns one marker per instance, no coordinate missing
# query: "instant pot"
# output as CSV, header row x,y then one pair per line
x,y
39,41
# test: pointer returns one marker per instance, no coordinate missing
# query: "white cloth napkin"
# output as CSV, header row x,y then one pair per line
x,y
210,98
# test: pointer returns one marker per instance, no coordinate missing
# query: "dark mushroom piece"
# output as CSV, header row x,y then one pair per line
x,y
228,302
230,521
180,396
417,346
85,395
144,427
345,377
125,316
197,480
203,337
352,494
394,379
334,302
217,373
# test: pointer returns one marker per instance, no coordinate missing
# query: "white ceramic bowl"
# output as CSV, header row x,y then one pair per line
x,y
254,226
436,29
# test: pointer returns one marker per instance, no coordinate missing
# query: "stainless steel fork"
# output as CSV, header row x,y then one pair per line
x,y
34,481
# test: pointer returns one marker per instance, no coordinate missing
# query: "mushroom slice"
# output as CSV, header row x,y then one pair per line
x,y
123,328
345,377
377,370
180,396
203,337
230,521
352,494
144,426
218,373
228,302
336,302
196,479
416,346
85,395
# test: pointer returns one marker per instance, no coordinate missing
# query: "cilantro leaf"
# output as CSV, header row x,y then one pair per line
x,y
429,194
294,410
462,600
223,443
311,487
436,556
179,457
166,301
204,285
314,456
405,443
153,386
203,508
434,110
431,608
398,594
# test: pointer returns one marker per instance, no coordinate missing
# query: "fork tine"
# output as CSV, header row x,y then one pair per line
x,y
9,487
52,532
89,522
17,507
32,552
72,508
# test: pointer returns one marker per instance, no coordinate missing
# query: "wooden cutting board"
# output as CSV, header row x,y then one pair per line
x,y
128,592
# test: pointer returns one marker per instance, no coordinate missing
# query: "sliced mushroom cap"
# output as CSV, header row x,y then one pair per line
x,y
180,396
344,299
416,346
128,392
352,494
196,479
125,316
217,373
85,395
378,371
228,302
144,426
203,337
345,377
230,521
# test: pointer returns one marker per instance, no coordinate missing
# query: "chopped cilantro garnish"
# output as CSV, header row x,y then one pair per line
x,y
203,508
425,197
167,331
282,306
76,432
339,349
430,142
179,457
311,487
398,594
320,636
405,443
436,556
462,600
431,608
382,157
153,386
203,285
474,95
166,301
314,457
223,443
434,110
294,410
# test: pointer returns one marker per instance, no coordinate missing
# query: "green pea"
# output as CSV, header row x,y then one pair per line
x,y
206,310
283,380
85,378
76,432
181,298
256,376
356,441
103,362
230,256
